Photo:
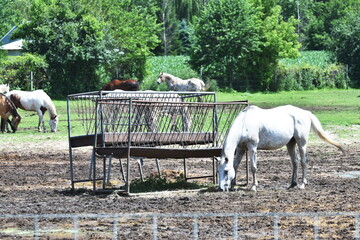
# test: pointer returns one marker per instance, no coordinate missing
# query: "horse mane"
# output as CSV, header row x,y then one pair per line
x,y
12,105
51,108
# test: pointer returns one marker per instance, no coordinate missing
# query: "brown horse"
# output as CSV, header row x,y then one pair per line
x,y
7,109
126,85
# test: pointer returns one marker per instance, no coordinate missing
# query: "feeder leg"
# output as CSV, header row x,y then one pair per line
x,y
128,172
94,171
122,169
185,175
140,162
158,166
91,163
104,172
109,170
214,170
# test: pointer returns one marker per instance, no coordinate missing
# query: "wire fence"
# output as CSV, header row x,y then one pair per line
x,y
116,221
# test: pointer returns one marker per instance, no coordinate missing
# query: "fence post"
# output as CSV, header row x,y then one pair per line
x,y
115,230
357,226
276,227
235,227
155,229
196,230
76,226
316,227
36,227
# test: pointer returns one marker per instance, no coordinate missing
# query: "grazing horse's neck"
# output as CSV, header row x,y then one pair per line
x,y
234,136
52,110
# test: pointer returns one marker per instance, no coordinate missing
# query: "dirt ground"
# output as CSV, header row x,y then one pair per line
x,y
34,179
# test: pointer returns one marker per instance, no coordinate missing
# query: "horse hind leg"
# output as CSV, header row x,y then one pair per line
x,y
41,122
302,151
292,152
252,156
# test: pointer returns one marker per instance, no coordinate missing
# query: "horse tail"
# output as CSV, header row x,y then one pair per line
x,y
317,128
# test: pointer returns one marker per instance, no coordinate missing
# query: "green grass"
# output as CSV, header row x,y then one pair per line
x,y
311,58
332,107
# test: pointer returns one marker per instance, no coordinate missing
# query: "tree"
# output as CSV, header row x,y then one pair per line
x,y
345,42
239,42
132,33
20,71
13,13
72,42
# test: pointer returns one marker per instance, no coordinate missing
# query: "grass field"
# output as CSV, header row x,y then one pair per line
x,y
332,107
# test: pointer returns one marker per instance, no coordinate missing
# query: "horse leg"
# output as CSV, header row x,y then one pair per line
x,y
237,159
3,123
252,156
41,122
302,151
292,152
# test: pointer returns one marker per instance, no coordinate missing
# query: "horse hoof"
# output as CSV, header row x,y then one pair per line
x,y
302,186
253,188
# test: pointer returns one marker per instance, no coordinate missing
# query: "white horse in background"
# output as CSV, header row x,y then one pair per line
x,y
4,88
37,101
256,128
178,84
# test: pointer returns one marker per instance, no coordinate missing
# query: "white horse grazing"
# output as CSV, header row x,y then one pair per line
x,y
37,101
256,128
4,88
178,84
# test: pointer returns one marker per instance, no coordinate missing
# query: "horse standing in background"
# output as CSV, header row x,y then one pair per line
x,y
126,85
178,84
7,109
37,101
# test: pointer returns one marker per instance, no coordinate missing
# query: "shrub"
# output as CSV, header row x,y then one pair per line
x,y
16,71
305,77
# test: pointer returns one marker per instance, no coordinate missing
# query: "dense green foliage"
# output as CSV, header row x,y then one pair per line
x,y
82,48
18,72
71,41
346,43
242,41
236,44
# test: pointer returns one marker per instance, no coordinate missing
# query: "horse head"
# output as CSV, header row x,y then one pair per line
x,y
4,88
54,122
226,173
161,78
14,123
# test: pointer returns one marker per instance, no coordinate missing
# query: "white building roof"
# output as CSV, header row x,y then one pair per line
x,y
16,45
